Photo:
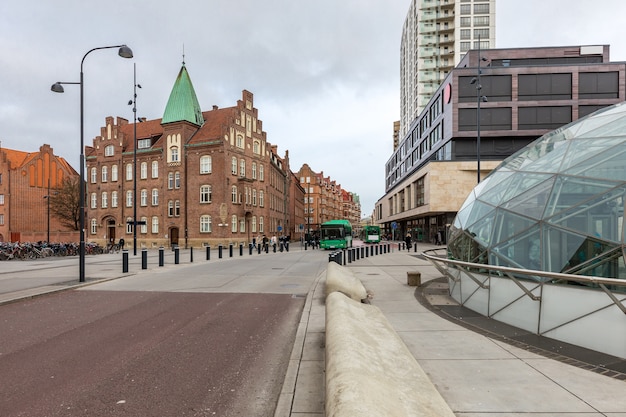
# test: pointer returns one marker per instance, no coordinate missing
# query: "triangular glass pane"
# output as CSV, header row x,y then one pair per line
x,y
609,164
571,191
532,203
508,225
482,229
523,181
565,247
500,181
601,216
462,215
602,126
522,250
581,150
479,210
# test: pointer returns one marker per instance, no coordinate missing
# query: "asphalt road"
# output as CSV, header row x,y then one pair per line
x,y
203,339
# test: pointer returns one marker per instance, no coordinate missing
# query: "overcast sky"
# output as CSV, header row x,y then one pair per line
x,y
324,73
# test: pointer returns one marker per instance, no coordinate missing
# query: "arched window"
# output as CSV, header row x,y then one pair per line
x,y
170,208
261,224
113,172
242,168
129,172
94,175
233,165
113,198
129,225
155,197
170,180
105,200
233,194
253,224
261,198
155,224
94,200
174,154
144,226
254,197
261,173
129,198
256,147
233,224
144,170
254,170
177,180
155,169
94,226
144,198
105,173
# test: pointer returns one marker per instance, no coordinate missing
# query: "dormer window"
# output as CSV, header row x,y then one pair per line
x,y
143,143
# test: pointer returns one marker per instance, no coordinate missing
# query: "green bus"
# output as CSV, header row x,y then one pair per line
x,y
371,234
336,234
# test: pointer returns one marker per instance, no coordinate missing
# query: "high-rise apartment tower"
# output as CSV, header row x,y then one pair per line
x,y
435,36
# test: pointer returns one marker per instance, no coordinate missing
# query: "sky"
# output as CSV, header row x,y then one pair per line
x,y
325,74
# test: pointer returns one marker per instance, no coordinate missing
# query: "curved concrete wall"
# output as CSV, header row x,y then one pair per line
x,y
369,369
341,279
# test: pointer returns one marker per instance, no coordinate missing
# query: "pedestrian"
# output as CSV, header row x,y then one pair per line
x,y
439,237
407,240
122,243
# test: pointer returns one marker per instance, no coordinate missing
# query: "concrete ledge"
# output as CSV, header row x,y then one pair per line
x,y
369,370
342,279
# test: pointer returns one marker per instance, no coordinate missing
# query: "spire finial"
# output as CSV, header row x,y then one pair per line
x,y
183,54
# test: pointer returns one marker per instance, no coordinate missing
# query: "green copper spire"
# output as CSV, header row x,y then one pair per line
x,y
183,103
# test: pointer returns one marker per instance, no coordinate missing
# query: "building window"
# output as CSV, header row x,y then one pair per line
x,y
481,21
129,172
233,165
113,198
177,180
261,230
233,223
205,224
256,147
144,225
239,141
1,199
261,199
155,197
114,173
466,34
94,175
242,225
206,164
155,169
466,9
205,194
170,180
481,8
170,208
261,173
105,174
155,224
254,197
174,154
105,200
254,170
94,226
144,170
177,208
129,225
598,85
481,33
94,200
143,198
254,225
109,150
242,168
143,143
466,22
233,194
129,198
533,87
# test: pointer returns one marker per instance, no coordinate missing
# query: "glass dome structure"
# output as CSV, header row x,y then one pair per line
x,y
556,205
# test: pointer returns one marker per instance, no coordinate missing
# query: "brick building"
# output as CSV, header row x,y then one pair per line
x,y
27,179
326,200
201,177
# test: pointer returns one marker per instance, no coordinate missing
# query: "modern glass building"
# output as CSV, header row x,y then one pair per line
x,y
556,205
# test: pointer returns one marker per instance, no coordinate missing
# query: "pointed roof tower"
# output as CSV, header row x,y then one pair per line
x,y
183,104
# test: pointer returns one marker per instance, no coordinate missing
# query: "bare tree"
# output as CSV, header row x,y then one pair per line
x,y
65,203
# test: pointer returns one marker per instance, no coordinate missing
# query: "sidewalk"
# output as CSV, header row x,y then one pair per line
x,y
476,374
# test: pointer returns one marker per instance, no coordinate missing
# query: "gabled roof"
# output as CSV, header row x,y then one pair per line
x,y
183,104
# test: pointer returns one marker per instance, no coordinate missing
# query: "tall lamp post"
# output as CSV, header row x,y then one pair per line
x,y
124,52
479,99
134,103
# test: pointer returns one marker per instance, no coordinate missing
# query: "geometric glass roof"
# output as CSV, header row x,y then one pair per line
x,y
556,205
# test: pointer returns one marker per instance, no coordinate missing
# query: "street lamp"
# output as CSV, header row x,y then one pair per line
x,y
134,103
124,52
479,99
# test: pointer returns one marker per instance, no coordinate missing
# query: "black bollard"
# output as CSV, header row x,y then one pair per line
x,y
191,254
267,248
249,248
208,252
161,256
258,248
241,249
176,255
219,251
230,250
144,259
306,245
125,261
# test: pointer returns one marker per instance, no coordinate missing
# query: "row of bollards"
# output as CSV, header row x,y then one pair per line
x,y
282,247
343,256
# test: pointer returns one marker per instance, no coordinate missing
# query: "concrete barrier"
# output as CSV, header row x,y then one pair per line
x,y
369,370
341,279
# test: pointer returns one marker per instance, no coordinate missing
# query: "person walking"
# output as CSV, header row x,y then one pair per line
x,y
407,240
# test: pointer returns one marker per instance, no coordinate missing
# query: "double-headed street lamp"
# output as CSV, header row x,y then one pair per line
x,y
479,99
134,104
124,52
